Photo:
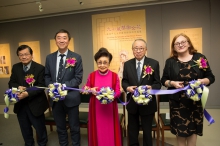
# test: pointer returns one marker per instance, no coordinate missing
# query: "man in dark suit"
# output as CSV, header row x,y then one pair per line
x,y
32,105
130,81
56,71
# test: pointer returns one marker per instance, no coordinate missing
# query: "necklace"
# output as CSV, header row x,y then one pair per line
x,y
103,74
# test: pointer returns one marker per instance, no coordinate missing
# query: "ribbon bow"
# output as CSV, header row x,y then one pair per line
x,y
57,91
195,90
10,97
141,95
105,95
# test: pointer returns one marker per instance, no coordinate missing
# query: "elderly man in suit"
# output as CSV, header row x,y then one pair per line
x,y
56,71
32,104
132,78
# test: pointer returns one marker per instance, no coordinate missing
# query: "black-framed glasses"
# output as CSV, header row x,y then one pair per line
x,y
21,55
136,49
104,63
182,43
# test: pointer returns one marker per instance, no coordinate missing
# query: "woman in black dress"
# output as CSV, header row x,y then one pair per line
x,y
186,115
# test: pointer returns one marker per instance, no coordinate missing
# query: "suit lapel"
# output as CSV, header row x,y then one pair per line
x,y
32,68
69,55
54,69
21,73
134,70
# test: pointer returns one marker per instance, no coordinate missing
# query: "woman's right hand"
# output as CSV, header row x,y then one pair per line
x,y
94,90
177,84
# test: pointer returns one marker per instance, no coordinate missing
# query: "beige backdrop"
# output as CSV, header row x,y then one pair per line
x,y
116,32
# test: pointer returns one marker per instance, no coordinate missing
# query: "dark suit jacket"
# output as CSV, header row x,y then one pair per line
x,y
37,100
130,79
171,71
71,77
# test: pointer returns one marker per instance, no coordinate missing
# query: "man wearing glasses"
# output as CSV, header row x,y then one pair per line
x,y
133,76
32,104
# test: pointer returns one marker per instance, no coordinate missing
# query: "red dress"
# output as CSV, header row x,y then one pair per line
x,y
104,127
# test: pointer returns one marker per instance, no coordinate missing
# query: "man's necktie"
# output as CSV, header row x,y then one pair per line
x,y
25,68
139,71
60,68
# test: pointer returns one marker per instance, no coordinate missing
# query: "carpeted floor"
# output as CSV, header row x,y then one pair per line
x,y
10,134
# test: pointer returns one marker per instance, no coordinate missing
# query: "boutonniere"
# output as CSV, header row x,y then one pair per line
x,y
202,63
70,62
30,79
147,71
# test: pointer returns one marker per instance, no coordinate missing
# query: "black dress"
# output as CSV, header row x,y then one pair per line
x,y
186,115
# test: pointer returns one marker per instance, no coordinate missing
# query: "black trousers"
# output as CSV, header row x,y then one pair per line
x,y
59,112
133,129
26,121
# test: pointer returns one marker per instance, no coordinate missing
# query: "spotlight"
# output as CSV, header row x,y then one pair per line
x,y
80,2
40,6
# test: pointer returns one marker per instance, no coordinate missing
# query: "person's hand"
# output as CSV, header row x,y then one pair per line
x,y
21,88
22,95
94,90
177,84
204,81
131,89
148,87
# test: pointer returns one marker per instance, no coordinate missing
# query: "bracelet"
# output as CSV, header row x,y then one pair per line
x,y
169,83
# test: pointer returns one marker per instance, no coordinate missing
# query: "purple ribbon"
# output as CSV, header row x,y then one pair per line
x,y
152,92
124,103
56,92
145,93
6,110
11,95
208,117
77,89
162,92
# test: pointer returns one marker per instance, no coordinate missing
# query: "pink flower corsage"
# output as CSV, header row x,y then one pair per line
x,y
70,62
202,63
30,79
147,71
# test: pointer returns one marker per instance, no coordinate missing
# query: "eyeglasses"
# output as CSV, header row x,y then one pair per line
x,y
182,43
25,55
104,63
136,49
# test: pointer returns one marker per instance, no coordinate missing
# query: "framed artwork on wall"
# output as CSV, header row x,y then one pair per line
x,y
116,32
5,61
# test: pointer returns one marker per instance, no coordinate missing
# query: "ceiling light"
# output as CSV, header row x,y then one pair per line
x,y
80,2
40,6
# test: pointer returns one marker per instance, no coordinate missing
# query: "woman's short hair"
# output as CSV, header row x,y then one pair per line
x,y
103,52
191,48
